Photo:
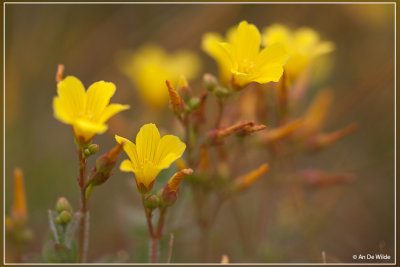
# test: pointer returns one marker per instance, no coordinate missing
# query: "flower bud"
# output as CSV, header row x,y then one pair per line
x,y
221,92
281,132
320,141
248,179
63,205
64,217
104,165
90,150
194,103
176,101
19,211
210,82
152,202
60,72
318,178
216,136
169,192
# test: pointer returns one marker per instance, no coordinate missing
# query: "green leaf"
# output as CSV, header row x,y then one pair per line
x,y
59,253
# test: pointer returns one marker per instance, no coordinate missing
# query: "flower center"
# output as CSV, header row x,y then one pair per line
x,y
246,66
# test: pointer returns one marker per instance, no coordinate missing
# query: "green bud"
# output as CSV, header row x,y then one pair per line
x,y
64,218
194,103
90,150
210,82
63,205
221,92
152,202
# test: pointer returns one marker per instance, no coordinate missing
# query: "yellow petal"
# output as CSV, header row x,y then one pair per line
x,y
111,110
246,41
270,73
305,38
130,150
147,142
72,97
61,112
126,166
87,129
277,33
183,63
274,54
98,97
169,150
147,175
212,46
324,48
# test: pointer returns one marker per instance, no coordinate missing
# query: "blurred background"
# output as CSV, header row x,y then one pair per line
x,y
342,220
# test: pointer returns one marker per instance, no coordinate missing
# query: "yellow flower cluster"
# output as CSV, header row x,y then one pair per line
x,y
151,66
303,45
240,59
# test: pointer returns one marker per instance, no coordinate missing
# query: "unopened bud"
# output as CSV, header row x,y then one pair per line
x,y
19,210
169,192
60,72
317,111
248,179
176,101
210,82
320,141
64,217
104,165
90,150
194,103
281,132
221,92
318,178
216,136
152,202
251,129
63,204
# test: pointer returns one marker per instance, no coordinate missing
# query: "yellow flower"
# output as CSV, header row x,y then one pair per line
x,y
150,155
88,111
240,59
151,66
303,45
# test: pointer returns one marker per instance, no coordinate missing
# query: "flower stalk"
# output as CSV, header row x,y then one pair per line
x,y
84,221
